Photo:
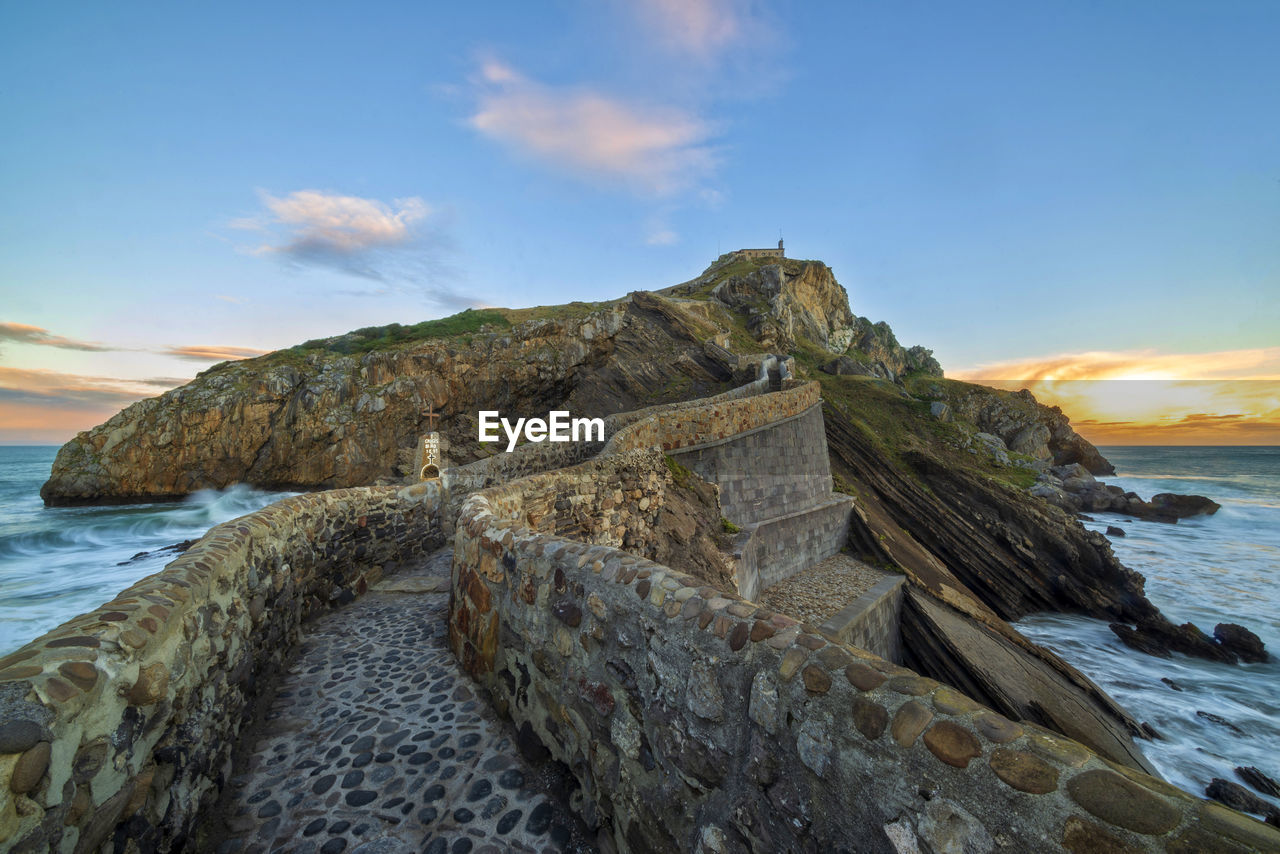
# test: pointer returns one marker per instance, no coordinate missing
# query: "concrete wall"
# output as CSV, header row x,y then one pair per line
x,y
694,720
118,726
779,467
872,621
778,548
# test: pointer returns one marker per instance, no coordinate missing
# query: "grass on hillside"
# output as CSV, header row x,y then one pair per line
x,y
372,338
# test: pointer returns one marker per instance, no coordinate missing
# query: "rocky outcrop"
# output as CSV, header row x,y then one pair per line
x,y
1073,488
1025,426
782,302
788,302
312,418
879,354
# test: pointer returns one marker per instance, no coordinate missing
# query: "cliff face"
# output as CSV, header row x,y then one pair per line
x,y
314,417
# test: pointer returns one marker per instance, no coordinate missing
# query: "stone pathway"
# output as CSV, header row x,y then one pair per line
x,y
822,590
377,743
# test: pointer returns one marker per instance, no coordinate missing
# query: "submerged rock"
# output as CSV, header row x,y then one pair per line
x,y
1157,636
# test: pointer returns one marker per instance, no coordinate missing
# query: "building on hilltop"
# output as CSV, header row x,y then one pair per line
x,y
761,253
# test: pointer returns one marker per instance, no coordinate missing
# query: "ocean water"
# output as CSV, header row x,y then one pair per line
x,y
58,562
1207,570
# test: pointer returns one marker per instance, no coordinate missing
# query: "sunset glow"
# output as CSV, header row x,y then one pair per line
x,y
1230,397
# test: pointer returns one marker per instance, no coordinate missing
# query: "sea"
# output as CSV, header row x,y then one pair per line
x,y
56,563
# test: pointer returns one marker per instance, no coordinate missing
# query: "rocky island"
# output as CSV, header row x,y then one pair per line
x,y
604,596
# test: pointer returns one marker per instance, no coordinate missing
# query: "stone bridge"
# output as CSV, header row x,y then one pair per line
x,y
688,717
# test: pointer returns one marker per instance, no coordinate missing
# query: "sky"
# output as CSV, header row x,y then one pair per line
x,y
1054,193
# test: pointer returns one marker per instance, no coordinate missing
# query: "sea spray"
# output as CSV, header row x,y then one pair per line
x,y
1206,570
58,562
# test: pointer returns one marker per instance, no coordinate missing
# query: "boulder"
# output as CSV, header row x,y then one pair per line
x,y
1244,643
1182,506
1239,798
1259,780
1113,531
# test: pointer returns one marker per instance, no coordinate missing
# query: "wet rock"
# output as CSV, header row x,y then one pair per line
x,y
1157,636
1241,641
1220,721
1239,798
1113,531
1259,780
1182,506
1174,685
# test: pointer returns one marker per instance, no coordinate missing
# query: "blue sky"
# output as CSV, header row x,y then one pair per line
x,y
1006,183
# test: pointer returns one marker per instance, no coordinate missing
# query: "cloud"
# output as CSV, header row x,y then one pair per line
x,y
649,149
400,246
198,353
699,28
23,333
57,389
1258,363
313,227
1147,397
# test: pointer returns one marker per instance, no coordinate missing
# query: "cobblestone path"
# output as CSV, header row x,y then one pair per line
x,y
823,589
376,743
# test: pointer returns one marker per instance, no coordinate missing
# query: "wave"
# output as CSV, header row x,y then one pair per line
x,y
58,562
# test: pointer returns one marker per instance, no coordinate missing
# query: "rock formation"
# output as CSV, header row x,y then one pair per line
x,y
940,469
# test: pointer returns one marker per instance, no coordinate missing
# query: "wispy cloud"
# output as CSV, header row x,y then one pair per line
x,y
1257,363
1146,397
23,333
57,389
213,353
651,149
401,245
700,28
51,407
314,227
26,334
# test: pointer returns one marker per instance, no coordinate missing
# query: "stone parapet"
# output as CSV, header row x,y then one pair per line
x,y
872,621
124,718
695,720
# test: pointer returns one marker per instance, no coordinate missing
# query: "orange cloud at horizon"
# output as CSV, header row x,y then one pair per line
x,y
1230,397
49,407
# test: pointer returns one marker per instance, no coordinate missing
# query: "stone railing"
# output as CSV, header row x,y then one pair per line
x,y
872,621
119,724
695,720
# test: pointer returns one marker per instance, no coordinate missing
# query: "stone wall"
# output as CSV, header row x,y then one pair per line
x,y
873,620
117,727
536,457
694,720
762,471
778,548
